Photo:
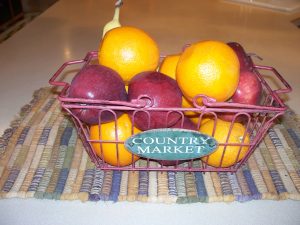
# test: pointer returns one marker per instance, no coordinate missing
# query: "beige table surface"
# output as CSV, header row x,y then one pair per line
x,y
71,28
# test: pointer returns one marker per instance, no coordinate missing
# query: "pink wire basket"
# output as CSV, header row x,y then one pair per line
x,y
257,119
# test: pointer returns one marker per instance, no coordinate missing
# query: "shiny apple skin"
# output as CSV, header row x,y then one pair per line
x,y
249,89
187,124
98,83
246,63
249,92
164,92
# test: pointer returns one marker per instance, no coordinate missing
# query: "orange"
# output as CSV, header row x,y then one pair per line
x,y
210,68
109,150
195,118
168,67
129,51
231,154
188,104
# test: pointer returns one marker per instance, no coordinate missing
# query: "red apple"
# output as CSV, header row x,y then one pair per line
x,y
187,124
98,83
230,116
245,60
164,92
249,89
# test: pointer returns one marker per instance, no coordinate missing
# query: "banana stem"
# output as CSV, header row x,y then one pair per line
x,y
119,3
117,13
115,21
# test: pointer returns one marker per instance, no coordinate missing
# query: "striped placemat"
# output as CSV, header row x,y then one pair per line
x,y
42,157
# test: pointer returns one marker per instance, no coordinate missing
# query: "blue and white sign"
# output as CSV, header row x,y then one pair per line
x,y
171,144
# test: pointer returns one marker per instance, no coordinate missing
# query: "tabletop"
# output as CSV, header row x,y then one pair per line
x,y
69,29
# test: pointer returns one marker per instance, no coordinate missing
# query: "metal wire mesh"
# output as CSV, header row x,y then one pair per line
x,y
256,119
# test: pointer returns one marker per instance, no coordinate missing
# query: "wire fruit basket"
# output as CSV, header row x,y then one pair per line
x,y
257,119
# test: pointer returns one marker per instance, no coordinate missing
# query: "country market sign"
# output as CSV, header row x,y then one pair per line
x,y
171,144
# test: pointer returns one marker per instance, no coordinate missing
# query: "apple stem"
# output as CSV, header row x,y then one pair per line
x,y
254,55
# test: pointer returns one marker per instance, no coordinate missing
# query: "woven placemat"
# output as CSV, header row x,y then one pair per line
x,y
42,157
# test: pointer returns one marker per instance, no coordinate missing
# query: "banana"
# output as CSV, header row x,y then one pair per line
x,y
115,21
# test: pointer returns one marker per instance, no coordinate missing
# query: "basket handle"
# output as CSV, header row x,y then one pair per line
x,y
53,80
210,102
287,88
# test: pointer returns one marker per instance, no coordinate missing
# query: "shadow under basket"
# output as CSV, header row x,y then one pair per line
x,y
256,119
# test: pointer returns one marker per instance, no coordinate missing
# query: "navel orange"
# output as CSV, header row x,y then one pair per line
x,y
108,153
169,64
189,104
210,68
195,118
168,67
129,51
232,153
